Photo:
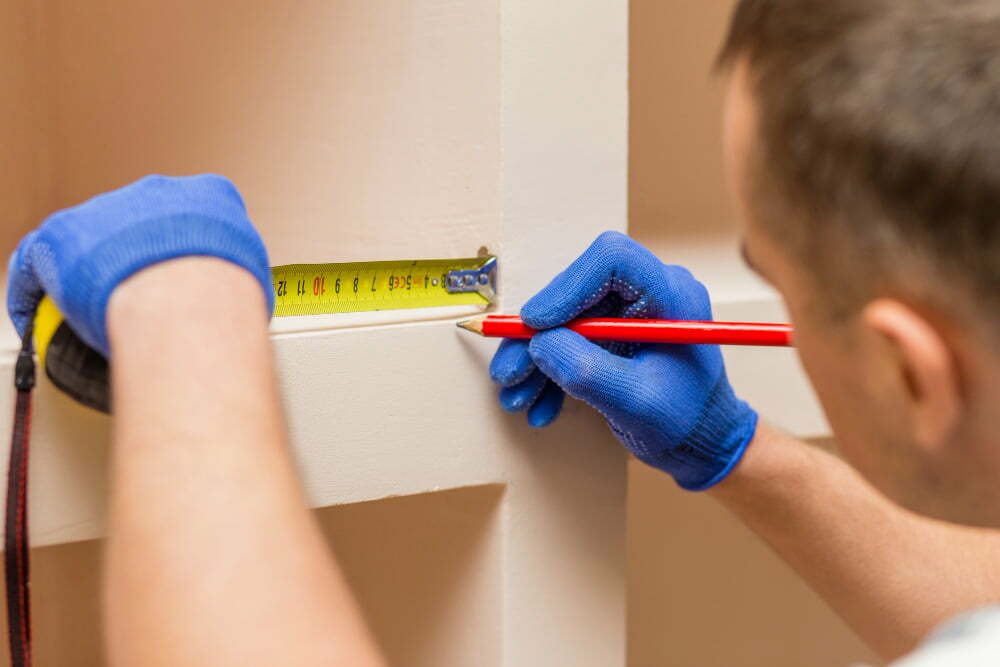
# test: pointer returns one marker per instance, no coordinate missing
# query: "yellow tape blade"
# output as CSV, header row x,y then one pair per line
x,y
315,289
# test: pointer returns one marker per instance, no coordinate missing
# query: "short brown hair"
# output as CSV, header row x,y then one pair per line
x,y
879,139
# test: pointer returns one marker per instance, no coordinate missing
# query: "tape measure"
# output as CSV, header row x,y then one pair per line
x,y
314,289
300,289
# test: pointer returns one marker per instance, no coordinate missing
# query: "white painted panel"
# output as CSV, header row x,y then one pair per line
x,y
372,413
564,119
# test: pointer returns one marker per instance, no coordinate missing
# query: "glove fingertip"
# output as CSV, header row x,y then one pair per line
x,y
548,406
541,313
511,364
510,400
520,397
578,287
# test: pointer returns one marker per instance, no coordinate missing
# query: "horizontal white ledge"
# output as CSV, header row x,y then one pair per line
x,y
304,324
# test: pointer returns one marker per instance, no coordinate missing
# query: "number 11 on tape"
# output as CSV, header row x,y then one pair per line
x,y
314,289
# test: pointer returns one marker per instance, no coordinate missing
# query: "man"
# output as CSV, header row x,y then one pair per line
x,y
859,138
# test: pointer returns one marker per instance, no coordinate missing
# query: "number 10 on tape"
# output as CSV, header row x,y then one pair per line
x,y
314,289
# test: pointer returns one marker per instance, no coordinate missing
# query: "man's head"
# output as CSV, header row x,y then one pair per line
x,y
863,149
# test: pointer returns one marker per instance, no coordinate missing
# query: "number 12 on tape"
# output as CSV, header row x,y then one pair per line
x,y
314,289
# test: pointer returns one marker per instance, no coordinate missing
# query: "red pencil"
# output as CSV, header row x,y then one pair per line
x,y
644,331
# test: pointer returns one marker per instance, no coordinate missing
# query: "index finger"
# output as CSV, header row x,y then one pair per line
x,y
613,262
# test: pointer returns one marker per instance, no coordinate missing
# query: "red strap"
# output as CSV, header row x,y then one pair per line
x,y
16,522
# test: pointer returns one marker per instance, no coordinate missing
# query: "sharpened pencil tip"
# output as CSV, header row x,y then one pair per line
x,y
473,325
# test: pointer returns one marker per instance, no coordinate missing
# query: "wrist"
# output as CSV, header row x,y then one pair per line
x,y
717,442
170,293
772,460
89,285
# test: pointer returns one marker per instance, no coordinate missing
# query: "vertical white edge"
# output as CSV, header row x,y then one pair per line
x,y
564,131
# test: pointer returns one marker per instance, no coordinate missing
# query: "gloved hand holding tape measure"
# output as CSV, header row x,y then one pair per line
x,y
78,256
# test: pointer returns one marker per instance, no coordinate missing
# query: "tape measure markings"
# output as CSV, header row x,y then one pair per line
x,y
313,289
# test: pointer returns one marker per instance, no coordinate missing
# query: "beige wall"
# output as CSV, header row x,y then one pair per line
x,y
20,149
675,181
703,590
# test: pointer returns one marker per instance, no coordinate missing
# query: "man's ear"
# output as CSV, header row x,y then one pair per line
x,y
927,366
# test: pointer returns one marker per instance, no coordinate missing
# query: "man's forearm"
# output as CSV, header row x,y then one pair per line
x,y
892,575
213,558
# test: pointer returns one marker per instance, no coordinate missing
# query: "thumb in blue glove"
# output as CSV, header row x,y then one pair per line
x,y
80,255
671,405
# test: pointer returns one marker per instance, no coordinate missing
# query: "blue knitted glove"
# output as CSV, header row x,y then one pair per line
x,y
671,405
78,256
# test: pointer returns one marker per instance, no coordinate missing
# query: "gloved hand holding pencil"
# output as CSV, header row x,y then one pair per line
x,y
671,405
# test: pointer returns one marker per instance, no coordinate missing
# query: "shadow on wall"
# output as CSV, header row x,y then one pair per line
x,y
427,570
